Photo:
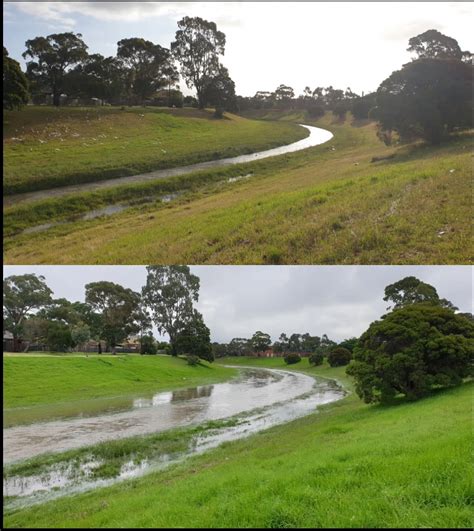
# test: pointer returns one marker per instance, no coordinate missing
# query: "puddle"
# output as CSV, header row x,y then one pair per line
x,y
282,397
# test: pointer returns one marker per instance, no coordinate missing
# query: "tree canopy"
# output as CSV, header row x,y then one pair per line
x,y
412,350
197,47
15,84
51,57
170,292
411,290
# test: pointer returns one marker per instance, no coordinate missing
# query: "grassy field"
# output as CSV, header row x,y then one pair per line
x,y
328,204
350,465
30,380
46,147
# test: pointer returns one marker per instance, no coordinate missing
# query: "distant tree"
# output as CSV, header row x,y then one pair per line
x,y
197,47
170,292
51,57
219,350
411,351
349,344
309,343
59,338
339,356
15,84
35,330
96,77
294,343
291,358
260,341
316,358
116,306
21,295
148,65
195,339
410,290
239,346
148,344
219,91
432,44
80,334
361,106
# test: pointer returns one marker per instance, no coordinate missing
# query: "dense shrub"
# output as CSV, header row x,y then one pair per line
x,y
339,356
192,360
316,358
411,351
291,358
148,345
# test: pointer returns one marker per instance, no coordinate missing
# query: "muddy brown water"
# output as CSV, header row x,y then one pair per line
x,y
316,136
253,388
257,399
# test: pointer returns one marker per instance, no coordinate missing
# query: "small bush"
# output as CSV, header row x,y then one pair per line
x,y
192,360
316,358
291,358
339,356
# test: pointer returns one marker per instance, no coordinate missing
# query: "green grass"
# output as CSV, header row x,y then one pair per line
x,y
46,147
350,465
30,380
320,205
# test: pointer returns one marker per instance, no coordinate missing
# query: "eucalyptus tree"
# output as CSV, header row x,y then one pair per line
x,y
169,293
197,47
50,59
22,294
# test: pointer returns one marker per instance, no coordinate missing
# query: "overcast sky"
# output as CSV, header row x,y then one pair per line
x,y
344,44
340,301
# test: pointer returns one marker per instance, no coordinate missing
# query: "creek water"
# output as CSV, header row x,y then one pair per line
x,y
316,137
257,398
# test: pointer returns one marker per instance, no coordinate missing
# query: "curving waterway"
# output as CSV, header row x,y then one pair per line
x,y
316,137
256,400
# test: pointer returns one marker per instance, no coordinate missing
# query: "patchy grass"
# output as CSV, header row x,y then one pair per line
x,y
328,204
49,380
350,465
46,147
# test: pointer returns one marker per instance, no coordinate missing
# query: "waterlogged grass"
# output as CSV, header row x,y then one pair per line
x,y
328,204
46,147
112,455
52,380
350,465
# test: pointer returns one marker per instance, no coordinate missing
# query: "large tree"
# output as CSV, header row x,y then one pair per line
x,y
195,339
170,292
117,307
219,91
412,350
51,57
148,65
411,290
260,341
15,84
197,47
429,97
21,295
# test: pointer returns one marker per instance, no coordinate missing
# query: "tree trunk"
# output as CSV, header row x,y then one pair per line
x,y
16,344
100,348
56,98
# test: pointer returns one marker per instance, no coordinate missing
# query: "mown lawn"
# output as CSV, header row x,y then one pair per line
x,y
39,380
46,147
325,205
350,465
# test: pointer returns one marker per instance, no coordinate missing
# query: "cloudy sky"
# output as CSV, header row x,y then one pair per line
x,y
344,44
340,301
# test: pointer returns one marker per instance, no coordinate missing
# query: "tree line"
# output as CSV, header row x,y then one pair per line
x,y
60,63
109,313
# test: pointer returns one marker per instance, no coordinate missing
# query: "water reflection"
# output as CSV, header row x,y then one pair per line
x,y
162,411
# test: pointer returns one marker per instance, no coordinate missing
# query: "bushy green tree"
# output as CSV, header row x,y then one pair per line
x,y
15,84
148,344
260,341
339,356
411,290
316,358
51,58
291,358
195,339
412,350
